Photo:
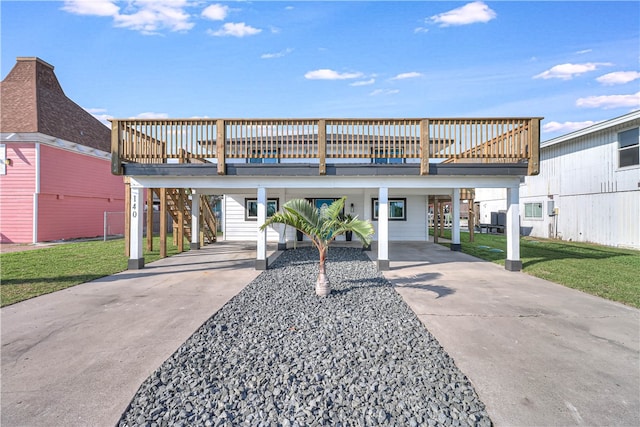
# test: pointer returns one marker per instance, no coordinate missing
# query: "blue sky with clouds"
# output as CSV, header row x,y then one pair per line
x,y
575,63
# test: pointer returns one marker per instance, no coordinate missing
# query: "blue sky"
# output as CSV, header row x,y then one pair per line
x,y
574,63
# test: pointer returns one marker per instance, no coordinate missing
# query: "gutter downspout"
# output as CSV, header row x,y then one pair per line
x,y
35,195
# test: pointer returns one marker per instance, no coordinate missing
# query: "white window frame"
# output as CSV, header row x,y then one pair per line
x,y
538,209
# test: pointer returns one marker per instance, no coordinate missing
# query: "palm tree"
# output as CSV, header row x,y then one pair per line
x,y
321,226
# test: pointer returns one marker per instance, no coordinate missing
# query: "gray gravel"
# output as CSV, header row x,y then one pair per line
x,y
278,355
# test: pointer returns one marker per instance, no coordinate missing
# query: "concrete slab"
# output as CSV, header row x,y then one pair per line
x,y
76,357
538,353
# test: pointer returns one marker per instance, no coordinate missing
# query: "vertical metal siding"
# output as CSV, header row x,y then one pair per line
x,y
597,202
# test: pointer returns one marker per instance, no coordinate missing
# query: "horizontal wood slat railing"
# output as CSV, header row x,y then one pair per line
x,y
481,140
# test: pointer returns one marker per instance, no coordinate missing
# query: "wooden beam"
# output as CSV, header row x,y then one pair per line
x,y
322,145
221,143
534,147
149,219
163,223
180,221
424,147
116,133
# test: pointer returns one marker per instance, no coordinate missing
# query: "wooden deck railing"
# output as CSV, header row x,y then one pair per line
x,y
157,141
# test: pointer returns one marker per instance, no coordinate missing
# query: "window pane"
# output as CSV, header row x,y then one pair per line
x,y
396,209
272,207
629,157
527,210
252,208
629,137
537,212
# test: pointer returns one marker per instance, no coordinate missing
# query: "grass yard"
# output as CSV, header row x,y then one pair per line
x,y
27,274
604,271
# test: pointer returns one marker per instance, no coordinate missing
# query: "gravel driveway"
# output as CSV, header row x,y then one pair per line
x,y
278,355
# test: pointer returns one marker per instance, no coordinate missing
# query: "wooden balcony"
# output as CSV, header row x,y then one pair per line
x,y
321,141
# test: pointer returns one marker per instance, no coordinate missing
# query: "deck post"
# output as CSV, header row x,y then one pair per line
x,y
221,143
149,219
195,221
424,147
163,223
455,217
534,147
261,248
116,133
383,229
513,262
322,146
136,258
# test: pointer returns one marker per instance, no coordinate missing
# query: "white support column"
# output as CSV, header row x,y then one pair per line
x,y
136,258
195,220
383,228
513,262
261,248
455,218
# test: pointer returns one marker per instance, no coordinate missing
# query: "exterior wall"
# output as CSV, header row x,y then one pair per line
x,y
490,200
237,228
16,194
75,191
596,201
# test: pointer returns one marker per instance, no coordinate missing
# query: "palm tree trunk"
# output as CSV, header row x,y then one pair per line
x,y
323,288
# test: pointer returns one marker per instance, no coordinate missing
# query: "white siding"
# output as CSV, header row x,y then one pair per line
x,y
237,228
415,227
597,202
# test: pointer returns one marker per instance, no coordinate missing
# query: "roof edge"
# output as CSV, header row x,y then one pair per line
x,y
34,59
593,128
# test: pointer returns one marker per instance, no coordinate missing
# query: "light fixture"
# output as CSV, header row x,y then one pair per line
x,y
351,208
7,162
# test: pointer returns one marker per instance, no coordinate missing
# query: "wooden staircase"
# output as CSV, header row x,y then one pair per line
x,y
179,207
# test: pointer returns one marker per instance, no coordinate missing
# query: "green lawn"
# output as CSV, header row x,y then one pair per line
x,y
607,272
30,273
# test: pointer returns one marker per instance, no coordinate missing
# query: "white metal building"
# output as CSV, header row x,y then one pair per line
x,y
588,189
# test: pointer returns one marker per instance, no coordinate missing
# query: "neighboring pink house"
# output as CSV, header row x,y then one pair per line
x,y
55,163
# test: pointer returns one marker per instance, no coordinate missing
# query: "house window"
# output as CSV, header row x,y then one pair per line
x,y
272,156
381,157
629,150
397,209
251,208
533,210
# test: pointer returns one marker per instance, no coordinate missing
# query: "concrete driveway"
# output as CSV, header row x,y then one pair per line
x,y
538,354
76,357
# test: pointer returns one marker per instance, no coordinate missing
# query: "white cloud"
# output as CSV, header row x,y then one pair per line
x,y
410,75
146,16
233,29
421,30
363,82
566,127
582,52
151,115
327,74
384,92
610,101
569,71
618,78
100,114
276,54
215,12
92,7
470,13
